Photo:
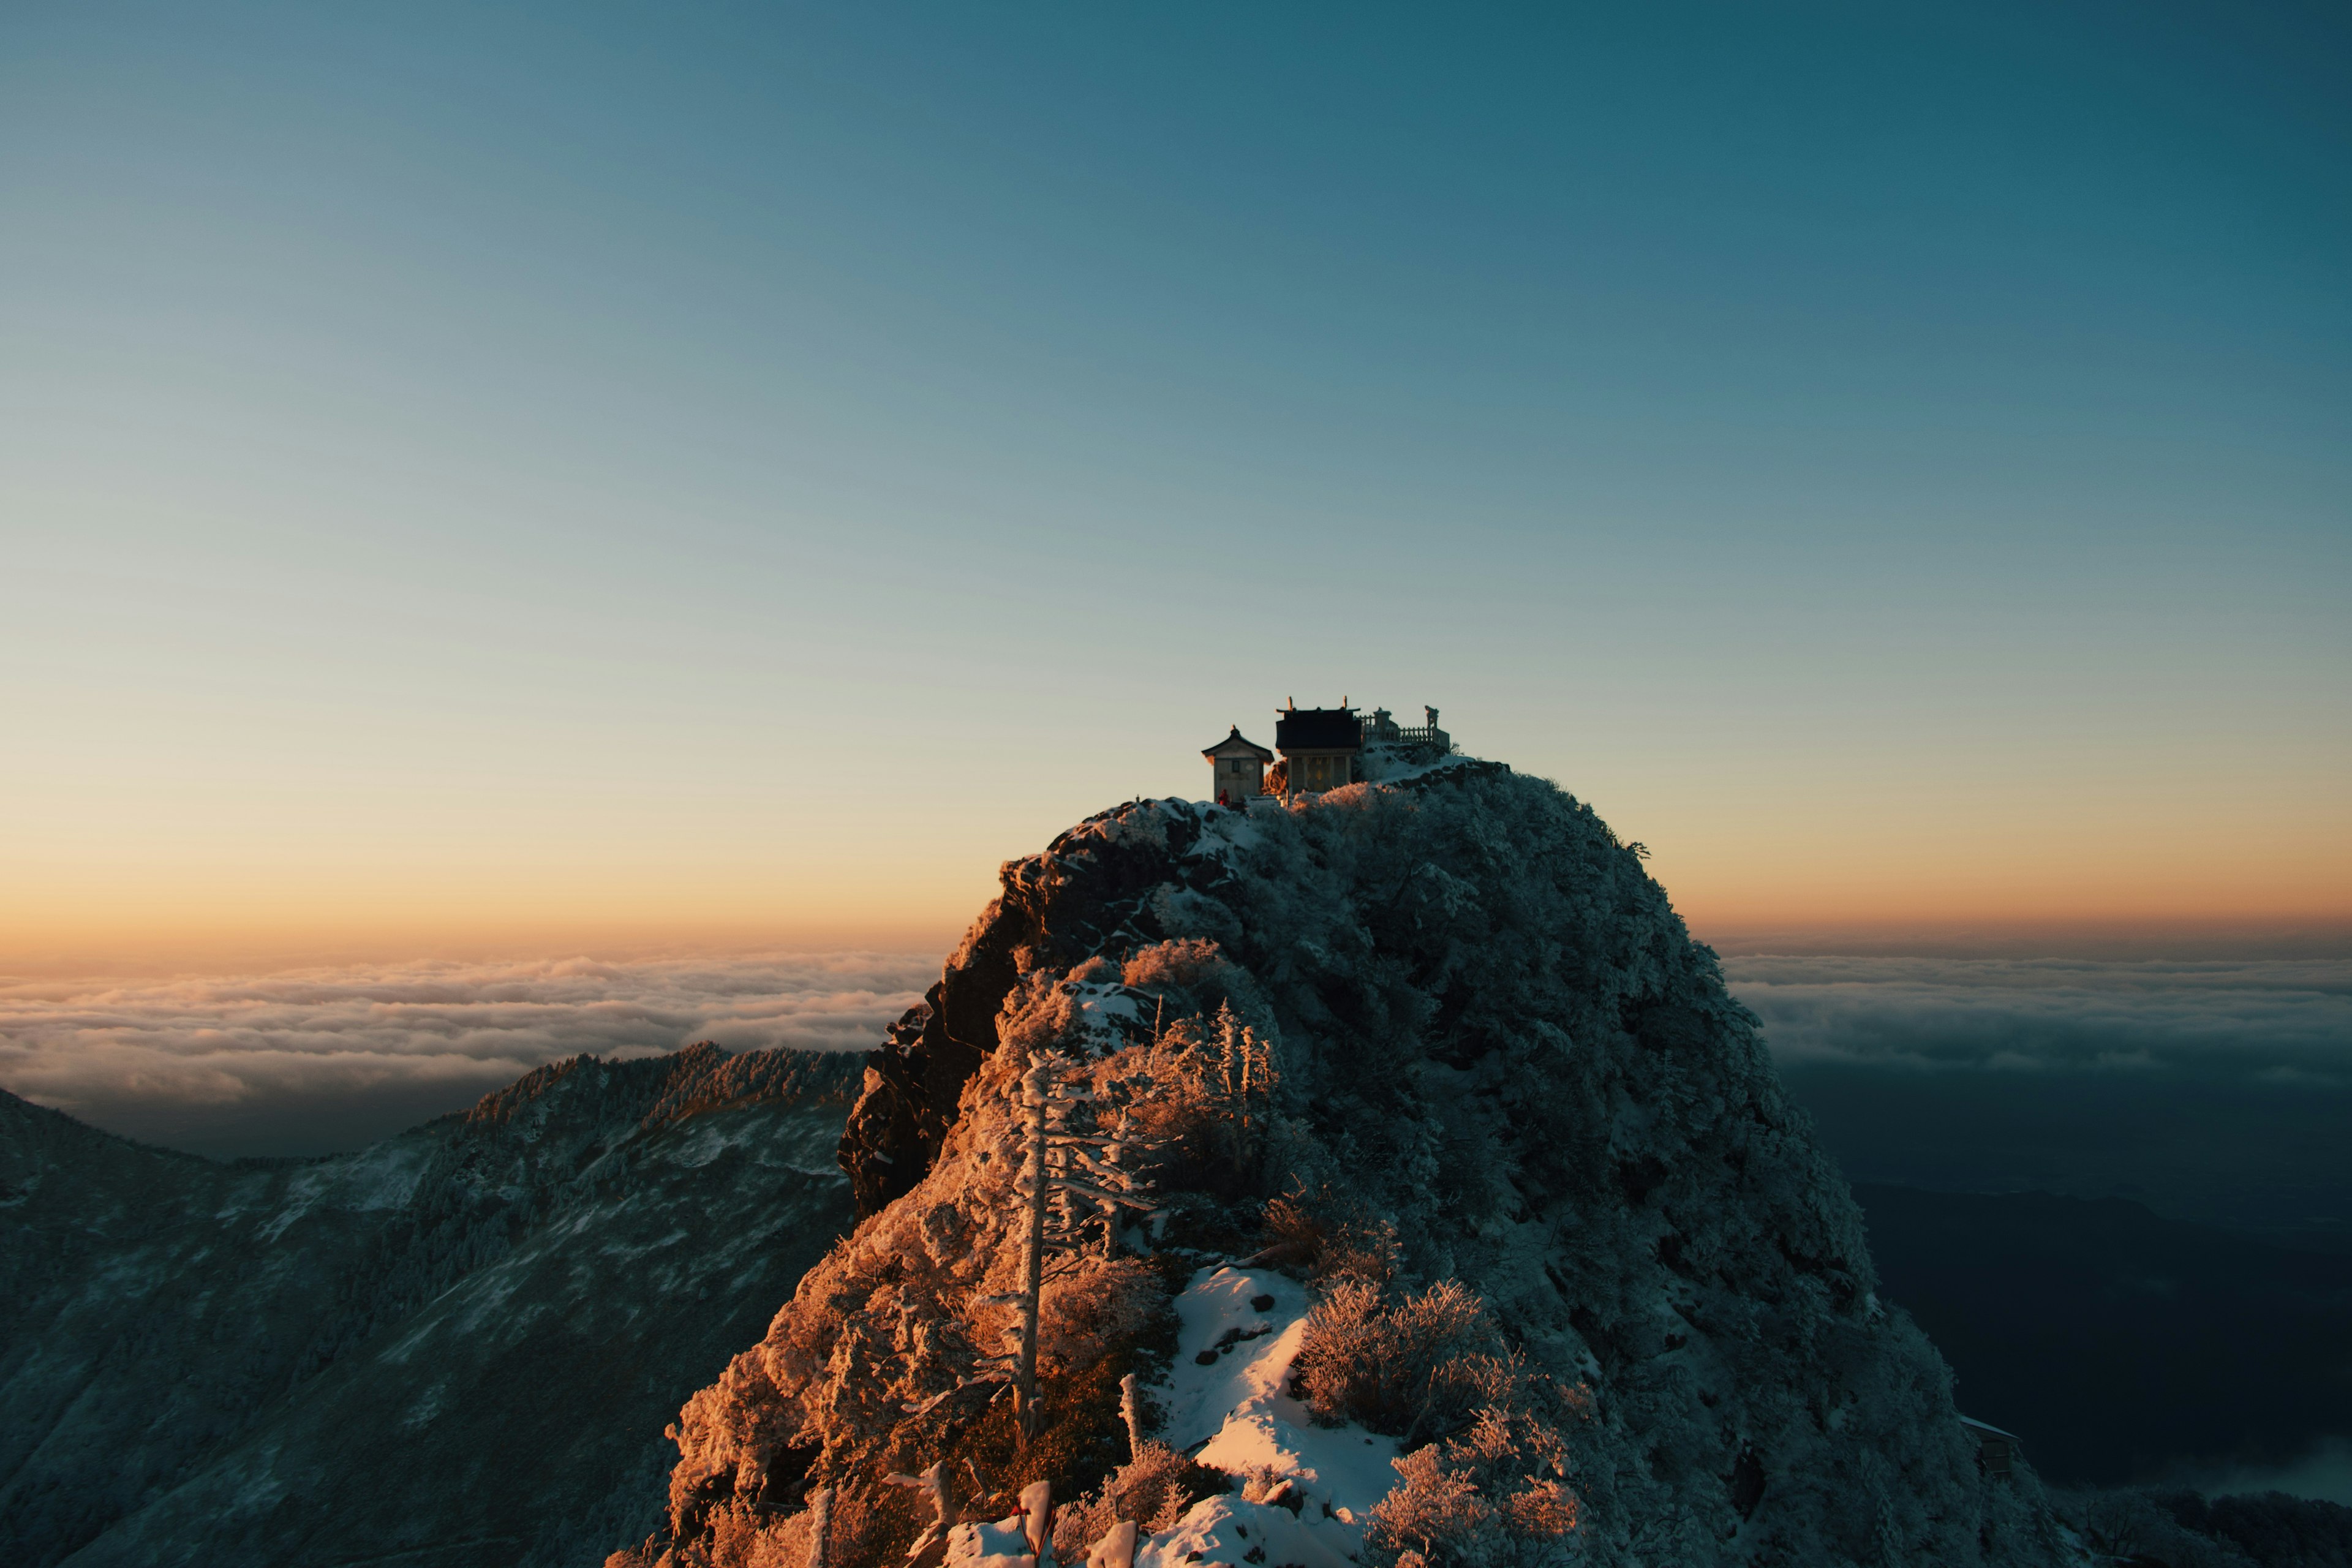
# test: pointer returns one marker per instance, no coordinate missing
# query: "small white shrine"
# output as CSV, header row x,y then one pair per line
x,y
1237,768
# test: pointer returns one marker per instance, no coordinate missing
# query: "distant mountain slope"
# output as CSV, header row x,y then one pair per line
x,y
2120,1345
458,1346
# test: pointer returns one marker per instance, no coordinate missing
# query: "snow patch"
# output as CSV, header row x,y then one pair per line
x,y
382,1176
1227,833
1003,1544
1236,1414
1223,1533
1105,1014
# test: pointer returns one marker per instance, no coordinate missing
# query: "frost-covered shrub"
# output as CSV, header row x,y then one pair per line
x,y
1493,1491
866,1526
1413,1368
1497,1494
1042,1013
2271,1528
1331,1242
1153,1488
1094,1304
2129,1526
1203,1094
1193,976
1172,1106
1494,1497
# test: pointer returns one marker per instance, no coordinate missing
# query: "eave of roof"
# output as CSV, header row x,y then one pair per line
x,y
1238,745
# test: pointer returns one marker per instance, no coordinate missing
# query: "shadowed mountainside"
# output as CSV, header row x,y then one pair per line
x,y
455,1347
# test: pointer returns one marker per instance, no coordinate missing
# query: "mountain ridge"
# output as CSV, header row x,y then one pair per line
x,y
200,1359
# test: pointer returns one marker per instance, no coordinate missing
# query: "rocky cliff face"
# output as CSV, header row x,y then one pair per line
x,y
457,1346
1502,1061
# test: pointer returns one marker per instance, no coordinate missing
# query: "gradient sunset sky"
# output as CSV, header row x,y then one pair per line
x,y
517,477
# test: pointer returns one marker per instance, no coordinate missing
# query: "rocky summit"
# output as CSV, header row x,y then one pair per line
x,y
455,1348
1404,1123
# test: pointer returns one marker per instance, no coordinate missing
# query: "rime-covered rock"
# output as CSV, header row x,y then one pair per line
x,y
1504,1058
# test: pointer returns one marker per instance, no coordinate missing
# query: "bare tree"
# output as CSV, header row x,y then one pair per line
x,y
1072,1181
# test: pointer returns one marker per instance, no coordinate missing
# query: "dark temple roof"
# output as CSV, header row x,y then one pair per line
x,y
1318,730
1238,745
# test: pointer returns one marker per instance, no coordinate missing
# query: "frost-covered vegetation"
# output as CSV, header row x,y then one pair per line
x,y
2183,1530
1432,1066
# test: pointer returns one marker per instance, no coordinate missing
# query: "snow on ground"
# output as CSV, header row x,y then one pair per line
x,y
1236,1414
1384,765
1227,1532
1104,1011
381,1176
1003,1544
1224,832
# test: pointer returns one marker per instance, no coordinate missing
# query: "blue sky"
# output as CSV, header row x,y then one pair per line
x,y
763,467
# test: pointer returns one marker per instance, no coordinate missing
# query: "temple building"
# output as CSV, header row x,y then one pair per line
x,y
1322,748
1237,768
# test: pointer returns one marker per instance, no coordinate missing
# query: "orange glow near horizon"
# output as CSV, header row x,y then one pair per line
x,y
913,880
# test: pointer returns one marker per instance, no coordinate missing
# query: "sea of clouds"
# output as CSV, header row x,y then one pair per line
x,y
2281,1021
2215,1091
312,1060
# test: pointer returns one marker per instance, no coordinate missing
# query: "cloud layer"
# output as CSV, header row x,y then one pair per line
x,y
2278,1020
313,1059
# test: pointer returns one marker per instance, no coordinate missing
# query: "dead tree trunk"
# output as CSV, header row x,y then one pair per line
x,y
1033,1246
820,1526
1063,1186
1129,1407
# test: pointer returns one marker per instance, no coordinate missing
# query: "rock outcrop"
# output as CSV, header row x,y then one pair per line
x,y
1502,1061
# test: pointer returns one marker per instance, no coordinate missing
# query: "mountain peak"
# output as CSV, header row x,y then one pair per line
x,y
1486,1079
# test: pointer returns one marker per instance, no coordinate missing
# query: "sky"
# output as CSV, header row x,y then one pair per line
x,y
493,480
